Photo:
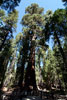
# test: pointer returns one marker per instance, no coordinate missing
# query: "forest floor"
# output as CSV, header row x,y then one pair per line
x,y
17,94
32,98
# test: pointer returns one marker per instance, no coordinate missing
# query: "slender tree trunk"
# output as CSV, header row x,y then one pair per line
x,y
40,72
64,59
10,70
62,52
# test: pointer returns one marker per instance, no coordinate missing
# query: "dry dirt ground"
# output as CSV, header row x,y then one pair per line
x,y
17,94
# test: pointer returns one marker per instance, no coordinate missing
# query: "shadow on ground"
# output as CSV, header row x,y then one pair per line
x,y
17,94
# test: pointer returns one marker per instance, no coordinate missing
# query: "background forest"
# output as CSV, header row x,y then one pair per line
x,y
29,59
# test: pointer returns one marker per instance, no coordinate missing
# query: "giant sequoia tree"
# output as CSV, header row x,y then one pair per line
x,y
33,23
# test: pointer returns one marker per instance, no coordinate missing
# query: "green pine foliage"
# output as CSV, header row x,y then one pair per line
x,y
29,52
52,70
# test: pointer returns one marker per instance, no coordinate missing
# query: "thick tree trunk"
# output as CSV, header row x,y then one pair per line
x,y
30,72
2,71
20,70
21,75
30,79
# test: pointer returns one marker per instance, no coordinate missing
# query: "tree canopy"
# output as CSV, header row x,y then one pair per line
x,y
9,5
36,59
